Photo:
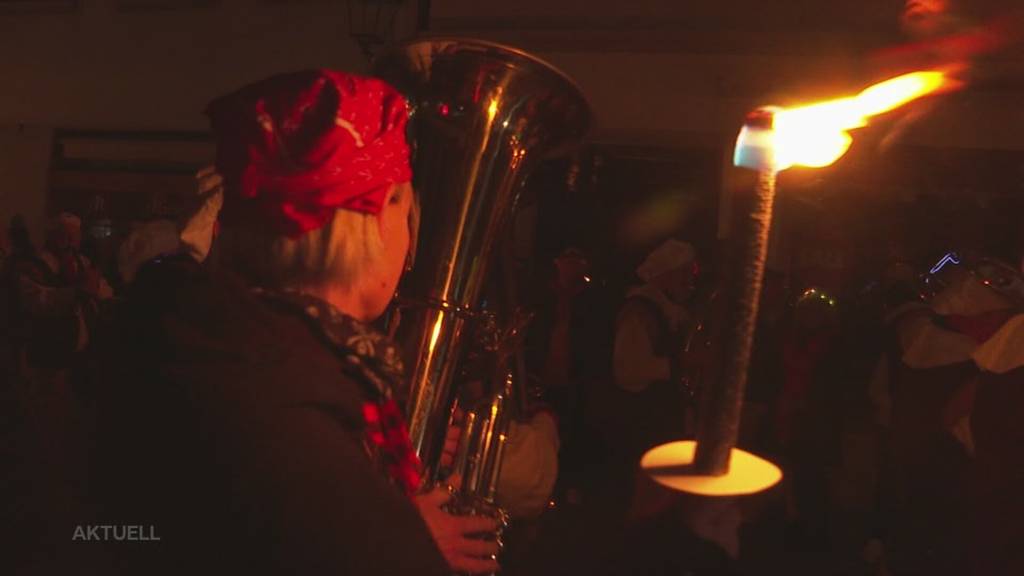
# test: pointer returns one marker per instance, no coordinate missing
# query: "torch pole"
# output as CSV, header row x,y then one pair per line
x,y
719,427
807,136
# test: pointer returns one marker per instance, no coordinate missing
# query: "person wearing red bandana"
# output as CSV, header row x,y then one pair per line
x,y
265,430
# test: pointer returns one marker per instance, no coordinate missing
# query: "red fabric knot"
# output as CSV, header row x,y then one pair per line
x,y
294,148
385,428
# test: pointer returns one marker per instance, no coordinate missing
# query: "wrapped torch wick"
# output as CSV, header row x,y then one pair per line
x,y
719,428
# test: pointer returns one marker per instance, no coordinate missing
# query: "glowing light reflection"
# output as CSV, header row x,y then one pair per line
x,y
668,465
436,333
816,135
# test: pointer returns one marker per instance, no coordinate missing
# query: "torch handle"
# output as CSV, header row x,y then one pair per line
x,y
719,424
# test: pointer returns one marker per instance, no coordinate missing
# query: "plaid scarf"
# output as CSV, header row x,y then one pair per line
x,y
373,361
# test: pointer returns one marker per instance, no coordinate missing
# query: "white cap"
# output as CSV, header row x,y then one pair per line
x,y
672,254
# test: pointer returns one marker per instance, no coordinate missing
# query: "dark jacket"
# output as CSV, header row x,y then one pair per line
x,y
230,430
997,503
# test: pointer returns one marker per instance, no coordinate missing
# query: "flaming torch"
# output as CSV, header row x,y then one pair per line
x,y
772,139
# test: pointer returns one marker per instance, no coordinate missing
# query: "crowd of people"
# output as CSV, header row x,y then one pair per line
x,y
875,399
53,299
244,405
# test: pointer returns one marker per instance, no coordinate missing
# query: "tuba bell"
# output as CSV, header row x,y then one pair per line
x,y
482,116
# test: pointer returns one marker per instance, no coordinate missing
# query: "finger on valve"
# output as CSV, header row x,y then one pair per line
x,y
469,525
473,565
479,548
452,438
435,498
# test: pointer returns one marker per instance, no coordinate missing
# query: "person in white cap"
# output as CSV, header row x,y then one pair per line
x,y
649,399
650,325
641,407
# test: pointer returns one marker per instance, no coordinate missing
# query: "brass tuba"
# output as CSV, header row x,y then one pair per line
x,y
482,116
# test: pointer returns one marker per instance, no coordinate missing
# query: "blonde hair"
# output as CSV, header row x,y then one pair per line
x,y
344,249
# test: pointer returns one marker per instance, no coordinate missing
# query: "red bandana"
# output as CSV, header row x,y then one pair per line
x,y
296,147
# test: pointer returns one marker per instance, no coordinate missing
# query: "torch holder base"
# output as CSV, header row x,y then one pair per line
x,y
671,465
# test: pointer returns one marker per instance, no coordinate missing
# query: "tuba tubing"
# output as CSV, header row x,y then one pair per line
x,y
482,115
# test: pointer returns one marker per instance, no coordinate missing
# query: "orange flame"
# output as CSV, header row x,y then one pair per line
x,y
817,135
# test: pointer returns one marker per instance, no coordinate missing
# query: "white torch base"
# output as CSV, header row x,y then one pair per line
x,y
671,466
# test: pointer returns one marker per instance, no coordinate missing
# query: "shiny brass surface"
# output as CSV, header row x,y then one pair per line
x,y
482,116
